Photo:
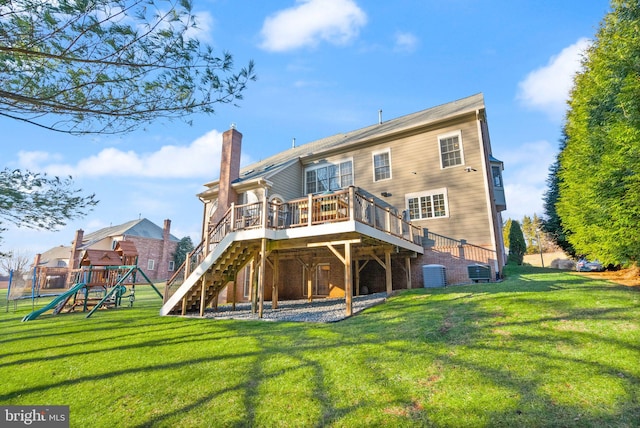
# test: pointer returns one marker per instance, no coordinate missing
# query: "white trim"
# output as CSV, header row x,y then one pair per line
x,y
324,164
276,196
458,134
373,164
441,191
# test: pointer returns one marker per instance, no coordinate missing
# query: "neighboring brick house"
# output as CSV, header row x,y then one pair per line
x,y
155,247
358,212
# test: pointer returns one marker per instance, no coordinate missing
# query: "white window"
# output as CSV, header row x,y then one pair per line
x,y
451,149
328,177
427,205
382,165
172,265
497,176
151,264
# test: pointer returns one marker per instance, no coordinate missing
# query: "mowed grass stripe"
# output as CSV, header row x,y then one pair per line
x,y
542,348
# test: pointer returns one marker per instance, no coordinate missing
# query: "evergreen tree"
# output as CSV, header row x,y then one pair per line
x,y
551,224
517,246
184,247
599,186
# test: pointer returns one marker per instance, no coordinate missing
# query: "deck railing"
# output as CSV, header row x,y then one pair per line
x,y
339,206
459,248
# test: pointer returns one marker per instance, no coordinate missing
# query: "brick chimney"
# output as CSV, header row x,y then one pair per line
x,y
229,169
75,249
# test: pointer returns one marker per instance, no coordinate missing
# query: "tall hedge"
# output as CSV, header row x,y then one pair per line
x,y
599,174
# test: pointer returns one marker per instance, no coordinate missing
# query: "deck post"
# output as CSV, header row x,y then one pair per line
x,y
232,215
407,266
387,221
387,263
187,265
352,203
203,294
310,210
265,211
310,282
276,280
357,274
263,266
252,285
348,278
234,290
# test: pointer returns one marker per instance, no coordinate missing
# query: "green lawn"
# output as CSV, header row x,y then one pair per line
x,y
543,348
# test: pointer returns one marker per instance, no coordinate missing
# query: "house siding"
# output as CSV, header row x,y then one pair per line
x,y
289,182
416,167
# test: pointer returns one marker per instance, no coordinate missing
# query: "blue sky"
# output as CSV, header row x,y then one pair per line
x,y
324,67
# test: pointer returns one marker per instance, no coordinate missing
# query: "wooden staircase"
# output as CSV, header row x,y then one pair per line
x,y
215,277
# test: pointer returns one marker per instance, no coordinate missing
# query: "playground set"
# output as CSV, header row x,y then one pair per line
x,y
104,279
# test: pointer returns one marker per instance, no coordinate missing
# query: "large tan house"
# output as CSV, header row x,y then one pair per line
x,y
370,210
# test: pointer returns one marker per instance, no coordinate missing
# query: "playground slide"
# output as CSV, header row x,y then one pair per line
x,y
52,305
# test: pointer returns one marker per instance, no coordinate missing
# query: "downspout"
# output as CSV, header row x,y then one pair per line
x,y
204,223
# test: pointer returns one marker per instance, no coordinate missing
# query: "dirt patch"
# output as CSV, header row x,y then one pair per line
x,y
558,260
629,277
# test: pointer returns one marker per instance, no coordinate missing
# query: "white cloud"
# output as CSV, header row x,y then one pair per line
x,y
32,160
525,178
405,42
200,159
310,22
203,29
547,88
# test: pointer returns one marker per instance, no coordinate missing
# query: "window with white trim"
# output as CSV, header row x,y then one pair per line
x,y
172,265
427,205
451,149
329,176
382,165
151,264
497,176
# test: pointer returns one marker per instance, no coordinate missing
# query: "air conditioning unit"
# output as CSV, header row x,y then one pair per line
x,y
479,272
434,276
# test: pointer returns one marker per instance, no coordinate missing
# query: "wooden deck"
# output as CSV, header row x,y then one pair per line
x,y
346,222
